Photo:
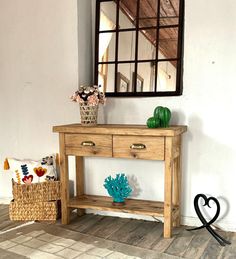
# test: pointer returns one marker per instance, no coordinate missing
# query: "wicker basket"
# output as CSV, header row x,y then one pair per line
x,y
88,114
34,211
36,192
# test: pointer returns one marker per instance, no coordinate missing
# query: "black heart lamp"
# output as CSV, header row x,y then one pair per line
x,y
206,224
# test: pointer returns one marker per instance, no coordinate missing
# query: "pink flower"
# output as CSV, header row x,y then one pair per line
x,y
93,100
88,94
79,99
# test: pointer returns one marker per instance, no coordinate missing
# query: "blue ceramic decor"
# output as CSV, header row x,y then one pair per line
x,y
118,188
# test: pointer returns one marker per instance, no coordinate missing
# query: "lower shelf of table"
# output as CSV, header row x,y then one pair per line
x,y
142,207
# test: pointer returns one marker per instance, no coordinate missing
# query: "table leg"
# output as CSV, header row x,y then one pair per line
x,y
177,185
168,188
79,180
64,177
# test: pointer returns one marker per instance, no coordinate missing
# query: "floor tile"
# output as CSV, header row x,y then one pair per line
x,y
21,239
35,233
64,242
79,246
93,244
116,255
35,243
7,244
87,256
69,253
43,255
5,254
48,237
51,248
22,250
102,252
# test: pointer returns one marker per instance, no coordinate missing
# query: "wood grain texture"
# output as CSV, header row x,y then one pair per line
x,y
180,244
142,207
213,250
142,234
148,17
125,232
154,147
121,129
152,236
107,226
115,141
198,244
168,188
102,145
177,177
64,177
79,180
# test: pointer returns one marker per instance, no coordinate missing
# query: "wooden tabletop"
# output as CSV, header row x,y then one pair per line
x,y
121,129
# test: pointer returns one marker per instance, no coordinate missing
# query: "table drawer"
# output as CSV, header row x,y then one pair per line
x,y
88,145
140,147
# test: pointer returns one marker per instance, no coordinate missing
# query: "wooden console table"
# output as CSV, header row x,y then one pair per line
x,y
122,141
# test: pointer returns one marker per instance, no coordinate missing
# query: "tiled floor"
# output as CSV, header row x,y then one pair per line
x,y
96,237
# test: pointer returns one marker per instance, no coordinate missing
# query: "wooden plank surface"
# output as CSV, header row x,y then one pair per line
x,y
154,147
121,129
101,145
142,207
168,188
141,234
107,226
64,177
124,234
177,177
129,234
198,244
79,163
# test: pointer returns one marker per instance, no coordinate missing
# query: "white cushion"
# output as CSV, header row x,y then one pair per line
x,y
30,171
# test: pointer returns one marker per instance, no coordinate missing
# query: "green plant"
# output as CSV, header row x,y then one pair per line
x,y
153,122
164,115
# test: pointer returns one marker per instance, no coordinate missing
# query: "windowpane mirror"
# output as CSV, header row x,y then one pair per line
x,y
138,50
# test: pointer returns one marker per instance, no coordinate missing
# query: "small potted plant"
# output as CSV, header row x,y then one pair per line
x,y
88,98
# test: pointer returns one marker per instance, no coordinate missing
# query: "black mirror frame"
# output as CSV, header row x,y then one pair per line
x,y
179,59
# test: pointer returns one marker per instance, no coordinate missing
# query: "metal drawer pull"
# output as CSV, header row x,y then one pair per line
x,y
87,143
137,146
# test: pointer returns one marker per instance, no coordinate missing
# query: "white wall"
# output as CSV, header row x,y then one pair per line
x,y
39,63
39,57
207,106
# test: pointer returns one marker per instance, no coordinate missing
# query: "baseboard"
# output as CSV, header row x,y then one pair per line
x,y
195,222
6,200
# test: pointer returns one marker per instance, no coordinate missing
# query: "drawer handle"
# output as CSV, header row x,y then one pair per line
x,y
87,144
137,146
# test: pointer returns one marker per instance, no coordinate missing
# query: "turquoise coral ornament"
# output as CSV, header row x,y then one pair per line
x,y
118,188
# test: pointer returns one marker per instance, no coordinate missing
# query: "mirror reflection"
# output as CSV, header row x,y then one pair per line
x,y
138,51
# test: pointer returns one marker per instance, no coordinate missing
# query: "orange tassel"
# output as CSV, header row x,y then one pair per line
x,y
6,165
18,176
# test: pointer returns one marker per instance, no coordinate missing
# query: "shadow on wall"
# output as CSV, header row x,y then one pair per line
x,y
133,182
204,163
209,213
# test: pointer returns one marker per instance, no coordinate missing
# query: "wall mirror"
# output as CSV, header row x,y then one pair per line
x,y
138,47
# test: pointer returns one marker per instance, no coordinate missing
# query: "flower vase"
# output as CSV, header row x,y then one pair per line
x,y
88,114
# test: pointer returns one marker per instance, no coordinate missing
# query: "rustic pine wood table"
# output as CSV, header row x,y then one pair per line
x,y
122,141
